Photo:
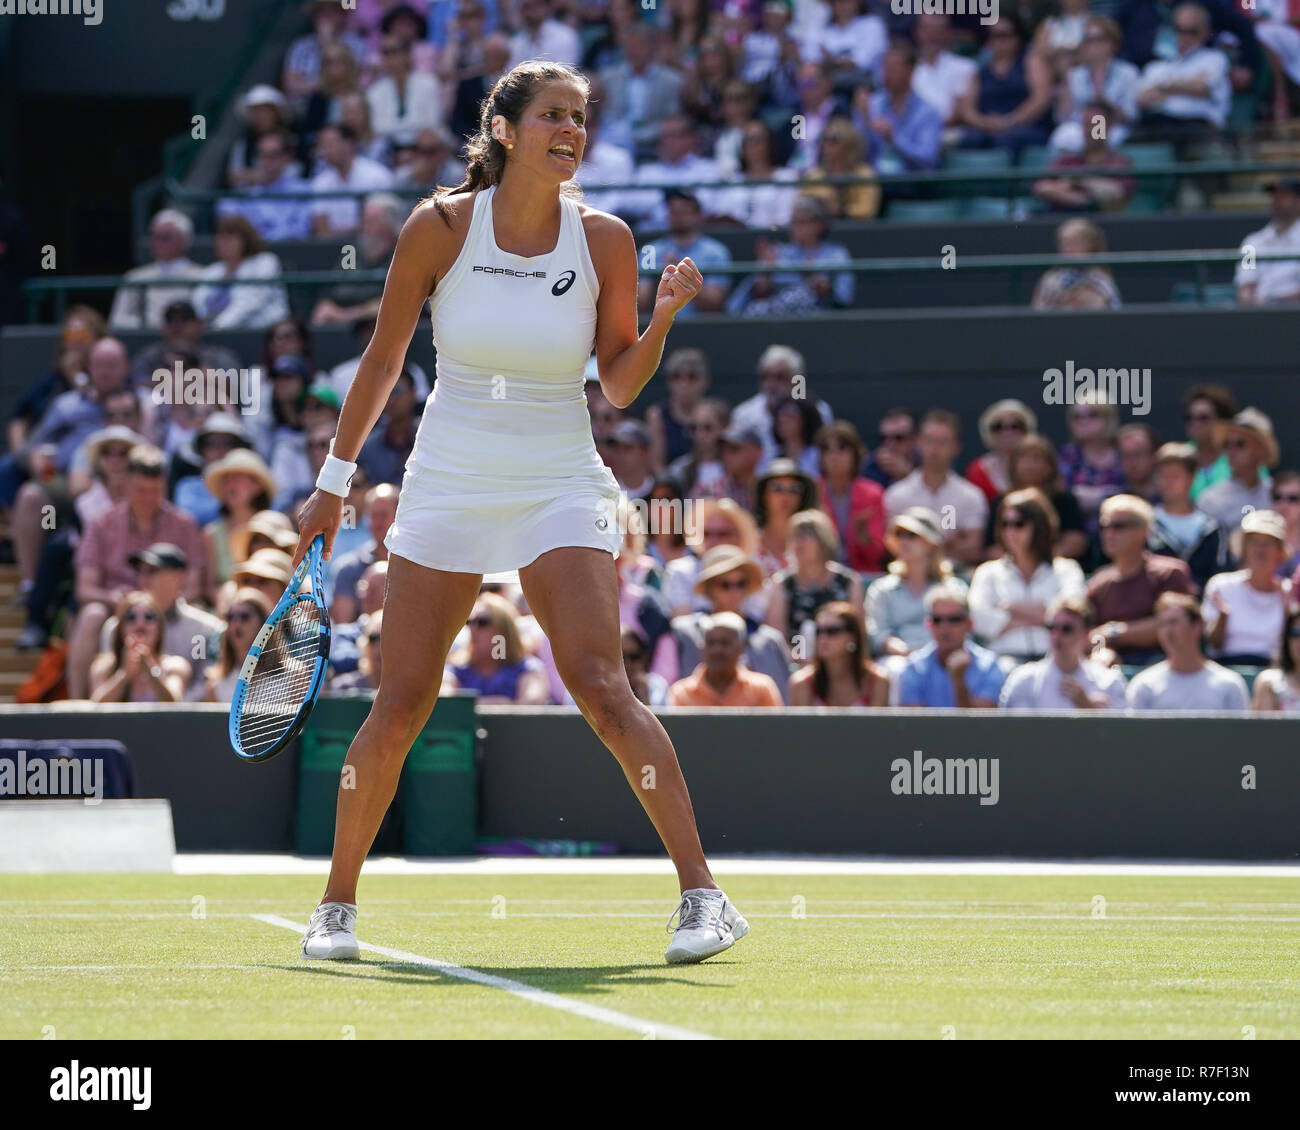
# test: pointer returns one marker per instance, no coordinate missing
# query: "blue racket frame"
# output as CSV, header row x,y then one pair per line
x,y
311,561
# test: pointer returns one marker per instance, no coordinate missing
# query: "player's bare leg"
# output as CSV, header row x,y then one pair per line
x,y
423,611
573,592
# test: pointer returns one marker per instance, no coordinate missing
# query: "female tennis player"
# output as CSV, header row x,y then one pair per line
x,y
521,280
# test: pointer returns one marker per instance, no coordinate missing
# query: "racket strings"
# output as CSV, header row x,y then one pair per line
x,y
281,678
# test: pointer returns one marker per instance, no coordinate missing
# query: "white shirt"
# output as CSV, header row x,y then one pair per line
x,y
554,41
651,203
250,307
1206,63
1275,280
970,507
421,109
1037,685
1254,618
364,175
998,582
604,166
942,82
760,205
1212,688
126,303
863,41
754,413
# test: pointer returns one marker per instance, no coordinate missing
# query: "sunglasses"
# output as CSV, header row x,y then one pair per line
x,y
1007,426
1286,498
894,437
141,618
1015,523
832,629
1064,627
732,586
948,619
906,535
785,488
241,617
1123,524
114,452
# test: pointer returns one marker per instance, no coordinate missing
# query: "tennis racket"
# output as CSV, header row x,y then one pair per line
x,y
285,667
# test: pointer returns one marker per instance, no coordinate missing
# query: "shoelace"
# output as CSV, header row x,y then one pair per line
x,y
333,921
695,912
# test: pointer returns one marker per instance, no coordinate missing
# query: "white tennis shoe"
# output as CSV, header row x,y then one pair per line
x,y
331,933
707,924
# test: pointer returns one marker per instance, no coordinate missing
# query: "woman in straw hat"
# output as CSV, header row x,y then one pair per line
x,y
1244,610
895,603
728,577
241,482
248,611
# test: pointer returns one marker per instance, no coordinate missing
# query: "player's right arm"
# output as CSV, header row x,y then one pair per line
x,y
426,249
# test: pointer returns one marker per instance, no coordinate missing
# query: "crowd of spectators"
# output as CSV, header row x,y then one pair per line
x,y
771,554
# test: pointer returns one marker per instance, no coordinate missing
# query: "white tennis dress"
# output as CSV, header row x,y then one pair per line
x,y
504,466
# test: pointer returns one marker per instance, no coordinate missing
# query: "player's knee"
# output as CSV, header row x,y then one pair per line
x,y
596,685
396,720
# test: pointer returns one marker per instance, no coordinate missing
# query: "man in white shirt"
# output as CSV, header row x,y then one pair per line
x,y
678,163
170,235
779,367
336,144
1186,98
403,101
1250,445
1065,679
940,76
542,37
961,506
1263,283
1185,680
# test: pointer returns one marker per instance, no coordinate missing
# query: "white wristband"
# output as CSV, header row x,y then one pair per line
x,y
336,475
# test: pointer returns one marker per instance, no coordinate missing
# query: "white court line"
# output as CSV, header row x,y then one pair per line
x,y
517,988
285,864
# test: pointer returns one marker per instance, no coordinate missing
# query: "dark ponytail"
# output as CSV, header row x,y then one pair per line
x,y
512,93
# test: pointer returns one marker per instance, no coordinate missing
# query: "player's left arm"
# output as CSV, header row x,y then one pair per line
x,y
625,360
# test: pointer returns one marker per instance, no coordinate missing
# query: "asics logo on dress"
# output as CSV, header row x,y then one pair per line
x,y
511,272
564,282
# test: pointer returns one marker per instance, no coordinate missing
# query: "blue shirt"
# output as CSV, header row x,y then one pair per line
x,y
67,423
926,682
917,134
705,251
274,219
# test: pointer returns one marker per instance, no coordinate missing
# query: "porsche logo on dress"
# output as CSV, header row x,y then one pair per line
x,y
511,272
564,282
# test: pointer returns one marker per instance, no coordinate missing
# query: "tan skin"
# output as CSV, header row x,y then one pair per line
x,y
1265,698
572,591
1261,556
833,640
144,674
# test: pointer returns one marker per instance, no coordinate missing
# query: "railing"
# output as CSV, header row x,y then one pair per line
x,y
1005,181
37,291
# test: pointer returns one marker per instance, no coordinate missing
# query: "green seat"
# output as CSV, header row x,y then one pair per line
x,y
977,160
1035,157
1154,194
1216,294
922,211
988,208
